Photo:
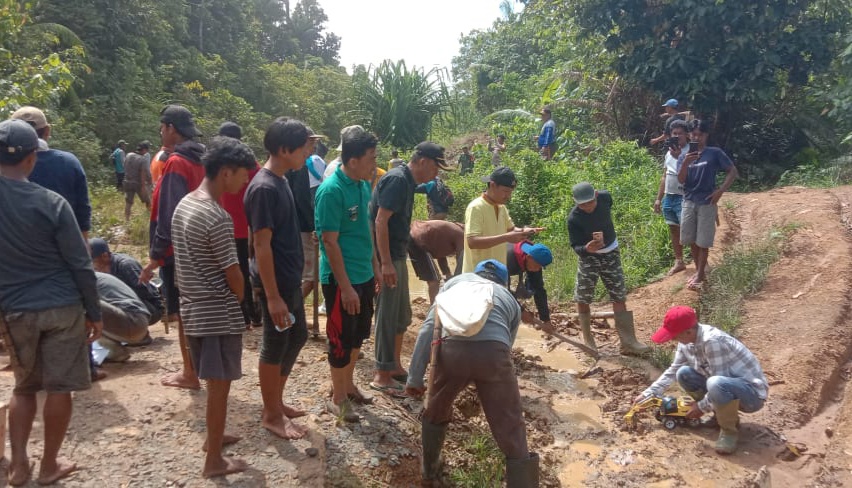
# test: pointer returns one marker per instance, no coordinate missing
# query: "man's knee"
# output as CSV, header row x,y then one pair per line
x,y
691,380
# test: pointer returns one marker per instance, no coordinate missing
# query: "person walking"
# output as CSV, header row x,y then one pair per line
x,y
117,157
137,179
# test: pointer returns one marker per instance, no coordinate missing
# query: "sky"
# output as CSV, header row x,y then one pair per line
x,y
423,33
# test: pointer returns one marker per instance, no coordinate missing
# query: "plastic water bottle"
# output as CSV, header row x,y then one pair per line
x,y
292,321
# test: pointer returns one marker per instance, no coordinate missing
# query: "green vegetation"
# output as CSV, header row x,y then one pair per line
x,y
108,218
484,464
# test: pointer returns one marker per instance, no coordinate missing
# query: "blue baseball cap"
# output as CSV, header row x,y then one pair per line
x,y
671,102
495,267
98,246
539,252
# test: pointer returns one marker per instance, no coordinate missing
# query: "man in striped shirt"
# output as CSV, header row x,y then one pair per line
x,y
714,368
211,284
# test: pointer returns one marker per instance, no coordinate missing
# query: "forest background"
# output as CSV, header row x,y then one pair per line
x,y
774,76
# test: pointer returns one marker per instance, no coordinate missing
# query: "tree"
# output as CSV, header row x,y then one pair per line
x,y
397,103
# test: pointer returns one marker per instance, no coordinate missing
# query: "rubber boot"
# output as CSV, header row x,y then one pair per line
x,y
728,416
629,345
522,473
432,438
585,320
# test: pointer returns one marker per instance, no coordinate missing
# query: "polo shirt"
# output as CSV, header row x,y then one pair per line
x,y
482,218
395,192
341,206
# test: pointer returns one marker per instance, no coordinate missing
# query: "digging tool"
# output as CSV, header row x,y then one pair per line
x,y
315,291
595,315
529,318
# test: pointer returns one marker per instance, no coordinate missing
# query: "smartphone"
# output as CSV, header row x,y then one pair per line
x,y
693,146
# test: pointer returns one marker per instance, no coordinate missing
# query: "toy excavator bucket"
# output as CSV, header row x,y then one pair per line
x,y
649,402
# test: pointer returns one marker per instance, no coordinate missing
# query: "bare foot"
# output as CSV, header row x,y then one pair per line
x,y
47,475
292,412
677,268
19,473
180,380
284,428
225,466
227,440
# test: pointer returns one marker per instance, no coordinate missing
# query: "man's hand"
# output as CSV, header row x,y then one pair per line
x,y
147,272
350,300
388,274
278,311
515,236
658,205
594,246
314,238
694,412
532,230
716,195
546,327
415,392
527,317
93,330
691,158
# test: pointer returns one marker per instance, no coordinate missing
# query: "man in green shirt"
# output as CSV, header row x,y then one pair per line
x,y
348,267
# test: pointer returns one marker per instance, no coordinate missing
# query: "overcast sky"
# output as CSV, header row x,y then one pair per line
x,y
423,33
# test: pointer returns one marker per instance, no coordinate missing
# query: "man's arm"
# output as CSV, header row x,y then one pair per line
x,y
484,242
683,171
536,281
278,310
660,192
731,175
422,354
348,295
82,206
224,250
667,378
383,246
173,188
75,253
234,277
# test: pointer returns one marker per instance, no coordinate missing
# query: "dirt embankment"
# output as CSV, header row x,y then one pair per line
x,y
129,430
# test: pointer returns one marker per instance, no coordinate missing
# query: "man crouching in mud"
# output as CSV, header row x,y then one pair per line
x,y
477,321
715,369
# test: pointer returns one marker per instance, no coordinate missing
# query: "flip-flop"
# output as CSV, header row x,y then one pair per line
x,y
395,390
695,285
402,377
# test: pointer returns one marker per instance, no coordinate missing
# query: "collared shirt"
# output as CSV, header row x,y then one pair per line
x,y
484,219
714,353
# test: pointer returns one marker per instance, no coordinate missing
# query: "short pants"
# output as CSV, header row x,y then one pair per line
x,y
169,289
698,224
672,208
346,332
422,262
283,347
51,351
608,267
131,190
217,357
310,252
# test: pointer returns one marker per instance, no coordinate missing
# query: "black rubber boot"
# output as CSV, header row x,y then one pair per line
x,y
432,438
522,473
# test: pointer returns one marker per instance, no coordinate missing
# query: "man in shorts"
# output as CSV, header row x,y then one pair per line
x,y
48,305
137,179
348,266
277,270
697,173
390,210
431,240
670,194
211,283
592,236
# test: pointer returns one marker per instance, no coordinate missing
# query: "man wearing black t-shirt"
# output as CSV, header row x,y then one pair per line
x,y
390,210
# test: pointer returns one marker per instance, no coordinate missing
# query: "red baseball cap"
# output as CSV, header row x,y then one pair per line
x,y
677,320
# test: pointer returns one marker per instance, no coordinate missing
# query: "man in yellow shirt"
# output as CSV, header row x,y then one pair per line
x,y
487,224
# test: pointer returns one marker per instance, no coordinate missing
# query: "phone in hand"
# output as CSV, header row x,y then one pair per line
x,y
693,146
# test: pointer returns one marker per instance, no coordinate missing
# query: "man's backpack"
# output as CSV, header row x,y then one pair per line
x,y
443,194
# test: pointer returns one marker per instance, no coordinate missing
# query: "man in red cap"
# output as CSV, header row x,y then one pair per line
x,y
715,369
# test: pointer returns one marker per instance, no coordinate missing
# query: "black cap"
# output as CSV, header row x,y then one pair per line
x,y
432,151
503,176
98,246
181,118
231,129
17,137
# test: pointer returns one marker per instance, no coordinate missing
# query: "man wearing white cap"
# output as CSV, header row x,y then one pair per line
x,y
671,114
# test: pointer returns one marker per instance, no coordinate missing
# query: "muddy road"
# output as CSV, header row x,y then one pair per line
x,y
130,431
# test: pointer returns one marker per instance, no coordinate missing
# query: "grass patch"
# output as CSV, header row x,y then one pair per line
x,y
108,218
484,464
661,357
741,272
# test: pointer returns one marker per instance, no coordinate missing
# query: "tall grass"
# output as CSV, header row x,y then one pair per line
x,y
108,218
484,466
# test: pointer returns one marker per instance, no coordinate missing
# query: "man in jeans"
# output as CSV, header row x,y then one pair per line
x,y
670,194
718,371
117,158
484,359
48,301
125,317
391,207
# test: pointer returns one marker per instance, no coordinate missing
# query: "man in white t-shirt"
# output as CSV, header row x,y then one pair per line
x,y
670,193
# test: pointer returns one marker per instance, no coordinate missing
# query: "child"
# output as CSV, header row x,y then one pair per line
x,y
211,285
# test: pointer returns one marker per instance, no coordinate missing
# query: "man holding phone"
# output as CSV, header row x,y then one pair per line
x,y
592,236
670,194
487,224
697,171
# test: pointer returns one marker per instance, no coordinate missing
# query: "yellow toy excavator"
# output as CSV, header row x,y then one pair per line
x,y
669,410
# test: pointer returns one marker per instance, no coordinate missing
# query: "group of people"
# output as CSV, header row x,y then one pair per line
x,y
224,228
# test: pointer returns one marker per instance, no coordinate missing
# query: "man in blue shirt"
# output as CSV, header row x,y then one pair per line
x,y
547,138
697,172
118,161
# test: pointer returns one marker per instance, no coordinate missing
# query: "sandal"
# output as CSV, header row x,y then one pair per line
x,y
402,377
343,411
396,390
695,285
